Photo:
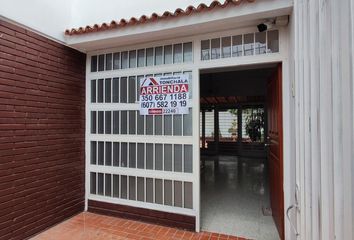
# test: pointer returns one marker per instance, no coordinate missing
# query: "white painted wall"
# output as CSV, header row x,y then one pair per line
x,y
324,63
51,18
289,133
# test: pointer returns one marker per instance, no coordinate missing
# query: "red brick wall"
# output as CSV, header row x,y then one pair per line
x,y
42,111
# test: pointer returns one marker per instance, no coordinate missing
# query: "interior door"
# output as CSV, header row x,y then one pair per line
x,y
275,153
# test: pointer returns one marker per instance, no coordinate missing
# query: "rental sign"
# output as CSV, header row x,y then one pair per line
x,y
164,95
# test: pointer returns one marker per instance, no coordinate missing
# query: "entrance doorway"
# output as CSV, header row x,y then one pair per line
x,y
241,151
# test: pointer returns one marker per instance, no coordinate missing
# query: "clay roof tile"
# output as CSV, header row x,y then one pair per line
x,y
178,11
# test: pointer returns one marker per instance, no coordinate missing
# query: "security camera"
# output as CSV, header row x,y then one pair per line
x,y
280,21
265,26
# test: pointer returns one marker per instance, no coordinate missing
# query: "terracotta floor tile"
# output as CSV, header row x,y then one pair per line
x,y
195,237
89,226
223,236
188,235
233,238
204,238
179,234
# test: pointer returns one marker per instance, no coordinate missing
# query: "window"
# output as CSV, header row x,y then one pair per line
x,y
215,48
168,54
260,43
187,52
226,47
124,60
205,49
101,62
94,64
273,41
149,56
158,56
109,61
153,56
116,60
132,59
177,53
240,45
248,44
141,57
237,46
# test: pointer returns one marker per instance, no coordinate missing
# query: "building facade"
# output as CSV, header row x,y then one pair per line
x,y
149,166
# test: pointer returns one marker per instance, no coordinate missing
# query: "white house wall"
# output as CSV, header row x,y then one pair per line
x,y
324,118
289,134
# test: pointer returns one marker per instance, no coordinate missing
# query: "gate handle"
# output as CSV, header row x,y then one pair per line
x,y
288,217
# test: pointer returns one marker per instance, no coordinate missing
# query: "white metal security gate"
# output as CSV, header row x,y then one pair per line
x,y
136,160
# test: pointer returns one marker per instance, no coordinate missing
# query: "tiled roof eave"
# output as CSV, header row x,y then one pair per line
x,y
154,17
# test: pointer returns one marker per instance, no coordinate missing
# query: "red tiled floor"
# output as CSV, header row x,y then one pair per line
x,y
91,226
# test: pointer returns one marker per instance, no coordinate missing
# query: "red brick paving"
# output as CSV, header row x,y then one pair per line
x,y
93,226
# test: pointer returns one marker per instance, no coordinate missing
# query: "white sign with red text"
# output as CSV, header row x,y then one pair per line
x,y
164,95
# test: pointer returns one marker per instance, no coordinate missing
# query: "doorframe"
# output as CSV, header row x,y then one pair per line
x,y
288,110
